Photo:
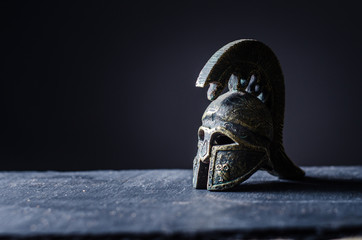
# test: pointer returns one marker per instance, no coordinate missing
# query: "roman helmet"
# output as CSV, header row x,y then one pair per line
x,y
241,129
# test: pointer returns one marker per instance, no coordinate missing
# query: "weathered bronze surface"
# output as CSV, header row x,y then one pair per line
x,y
242,129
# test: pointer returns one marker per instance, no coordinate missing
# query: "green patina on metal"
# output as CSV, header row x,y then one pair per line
x,y
242,129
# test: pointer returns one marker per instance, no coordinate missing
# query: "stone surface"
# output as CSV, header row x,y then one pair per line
x,y
163,204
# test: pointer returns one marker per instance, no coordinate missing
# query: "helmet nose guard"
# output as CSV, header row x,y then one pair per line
x,y
204,144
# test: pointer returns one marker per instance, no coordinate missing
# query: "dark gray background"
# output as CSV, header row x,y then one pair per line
x,y
110,85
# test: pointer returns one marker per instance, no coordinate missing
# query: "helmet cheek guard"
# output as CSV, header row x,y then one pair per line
x,y
241,130
231,165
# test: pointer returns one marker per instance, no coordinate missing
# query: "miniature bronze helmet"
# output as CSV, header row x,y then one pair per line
x,y
241,129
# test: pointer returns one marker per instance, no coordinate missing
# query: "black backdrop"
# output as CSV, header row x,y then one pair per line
x,y
110,84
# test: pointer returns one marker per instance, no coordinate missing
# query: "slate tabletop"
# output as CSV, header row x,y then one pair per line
x,y
161,204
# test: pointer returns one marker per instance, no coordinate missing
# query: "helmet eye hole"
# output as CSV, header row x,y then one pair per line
x,y
201,135
222,139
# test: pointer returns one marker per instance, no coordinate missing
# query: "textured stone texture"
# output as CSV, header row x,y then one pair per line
x,y
163,204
